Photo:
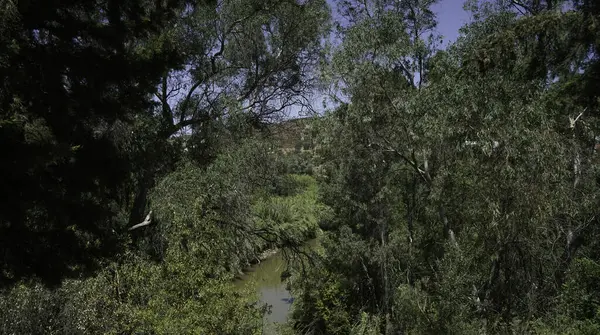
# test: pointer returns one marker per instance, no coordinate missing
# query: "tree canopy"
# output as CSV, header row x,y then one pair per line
x,y
450,190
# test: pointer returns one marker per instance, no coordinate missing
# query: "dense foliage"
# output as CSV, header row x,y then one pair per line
x,y
209,224
145,166
137,179
74,78
463,182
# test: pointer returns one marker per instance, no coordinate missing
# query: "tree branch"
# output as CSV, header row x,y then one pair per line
x,y
144,223
167,113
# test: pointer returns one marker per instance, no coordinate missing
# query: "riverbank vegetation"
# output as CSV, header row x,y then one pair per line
x,y
137,175
146,163
208,225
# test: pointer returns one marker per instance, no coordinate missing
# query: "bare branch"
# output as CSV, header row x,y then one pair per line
x,y
144,223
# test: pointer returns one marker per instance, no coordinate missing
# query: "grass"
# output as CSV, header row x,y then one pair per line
x,y
294,218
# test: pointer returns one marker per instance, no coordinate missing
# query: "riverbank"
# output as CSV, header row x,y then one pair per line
x,y
265,280
287,220
294,220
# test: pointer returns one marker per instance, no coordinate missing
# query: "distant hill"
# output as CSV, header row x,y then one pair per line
x,y
289,135
293,134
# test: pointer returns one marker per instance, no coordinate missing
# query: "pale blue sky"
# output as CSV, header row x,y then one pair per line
x,y
451,17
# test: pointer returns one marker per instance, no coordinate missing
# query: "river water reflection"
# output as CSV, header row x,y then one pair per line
x,y
265,279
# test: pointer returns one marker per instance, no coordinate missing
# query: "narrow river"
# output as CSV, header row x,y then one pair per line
x,y
265,279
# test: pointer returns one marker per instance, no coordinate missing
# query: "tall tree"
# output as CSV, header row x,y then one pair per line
x,y
482,180
258,57
75,75
245,62
383,56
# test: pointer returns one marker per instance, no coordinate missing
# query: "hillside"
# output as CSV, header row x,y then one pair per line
x,y
292,134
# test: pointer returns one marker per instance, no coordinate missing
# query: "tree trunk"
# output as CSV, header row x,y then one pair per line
x,y
140,201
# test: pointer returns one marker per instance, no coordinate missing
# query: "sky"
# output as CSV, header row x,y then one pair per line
x,y
451,17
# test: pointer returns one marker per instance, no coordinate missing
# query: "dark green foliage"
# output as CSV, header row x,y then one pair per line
x,y
194,205
90,145
74,75
208,224
299,162
458,188
242,57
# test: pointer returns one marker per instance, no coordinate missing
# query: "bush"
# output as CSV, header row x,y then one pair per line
x,y
293,218
298,162
285,186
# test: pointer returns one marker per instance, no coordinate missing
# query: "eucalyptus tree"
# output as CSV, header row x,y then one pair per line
x,y
382,58
244,62
470,199
552,43
242,56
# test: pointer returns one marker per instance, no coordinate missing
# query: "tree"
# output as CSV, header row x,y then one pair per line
x,y
75,75
383,58
257,57
460,206
245,63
